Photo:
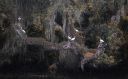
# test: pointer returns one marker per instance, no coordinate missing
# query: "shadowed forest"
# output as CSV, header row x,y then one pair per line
x,y
59,38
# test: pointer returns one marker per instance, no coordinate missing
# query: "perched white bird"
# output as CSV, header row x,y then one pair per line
x,y
23,31
101,41
19,18
72,39
76,30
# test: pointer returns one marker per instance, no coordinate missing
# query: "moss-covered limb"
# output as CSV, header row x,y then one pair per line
x,y
51,46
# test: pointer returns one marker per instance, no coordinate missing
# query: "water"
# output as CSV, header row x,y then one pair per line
x,y
75,76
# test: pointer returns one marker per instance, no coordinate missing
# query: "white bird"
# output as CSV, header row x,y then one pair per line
x,y
72,39
19,18
23,31
101,40
76,30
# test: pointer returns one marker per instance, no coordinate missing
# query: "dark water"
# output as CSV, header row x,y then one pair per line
x,y
66,76
117,74
40,72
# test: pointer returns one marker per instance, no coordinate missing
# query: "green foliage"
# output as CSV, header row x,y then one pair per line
x,y
105,59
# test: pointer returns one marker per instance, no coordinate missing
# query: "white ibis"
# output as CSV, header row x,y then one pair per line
x,y
101,40
72,39
76,30
19,18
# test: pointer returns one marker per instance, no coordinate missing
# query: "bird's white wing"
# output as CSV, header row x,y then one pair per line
x,y
73,39
23,31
